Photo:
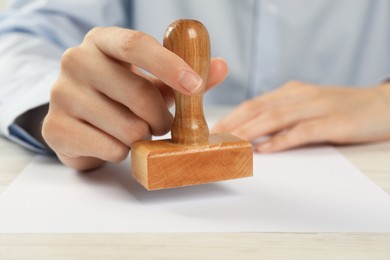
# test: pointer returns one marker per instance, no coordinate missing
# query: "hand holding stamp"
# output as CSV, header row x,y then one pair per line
x,y
192,156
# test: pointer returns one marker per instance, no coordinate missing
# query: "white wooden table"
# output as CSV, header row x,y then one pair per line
x,y
372,159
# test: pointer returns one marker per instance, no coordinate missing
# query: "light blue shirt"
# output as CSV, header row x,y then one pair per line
x,y
266,43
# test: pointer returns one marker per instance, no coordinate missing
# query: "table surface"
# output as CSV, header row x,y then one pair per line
x,y
372,159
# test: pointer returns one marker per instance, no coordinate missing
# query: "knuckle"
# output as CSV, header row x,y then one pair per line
x,y
51,129
300,88
46,128
70,58
90,36
130,40
294,84
61,95
55,92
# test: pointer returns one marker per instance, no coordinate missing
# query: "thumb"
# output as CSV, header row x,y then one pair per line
x,y
218,71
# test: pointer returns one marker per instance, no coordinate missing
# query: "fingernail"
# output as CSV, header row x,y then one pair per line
x,y
190,81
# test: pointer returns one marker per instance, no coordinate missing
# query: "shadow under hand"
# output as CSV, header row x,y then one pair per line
x,y
118,177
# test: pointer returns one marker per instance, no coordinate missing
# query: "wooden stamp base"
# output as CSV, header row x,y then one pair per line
x,y
162,164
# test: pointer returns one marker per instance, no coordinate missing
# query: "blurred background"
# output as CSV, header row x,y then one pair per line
x,y
2,3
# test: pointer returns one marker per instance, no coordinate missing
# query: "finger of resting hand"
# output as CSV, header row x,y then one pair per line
x,y
144,51
291,93
278,119
239,116
138,94
313,131
73,138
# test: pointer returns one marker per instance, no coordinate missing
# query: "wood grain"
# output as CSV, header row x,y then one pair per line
x,y
163,164
190,40
213,246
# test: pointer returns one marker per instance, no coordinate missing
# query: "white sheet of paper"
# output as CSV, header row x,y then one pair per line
x,y
306,190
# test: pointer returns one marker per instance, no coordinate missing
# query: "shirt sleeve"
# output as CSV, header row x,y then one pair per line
x,y
33,36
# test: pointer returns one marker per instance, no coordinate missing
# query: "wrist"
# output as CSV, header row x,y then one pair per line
x,y
384,90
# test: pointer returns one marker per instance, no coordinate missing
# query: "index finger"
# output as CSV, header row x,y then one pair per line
x,y
144,51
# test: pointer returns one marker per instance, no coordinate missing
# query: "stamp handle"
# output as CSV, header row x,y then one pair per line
x,y
189,39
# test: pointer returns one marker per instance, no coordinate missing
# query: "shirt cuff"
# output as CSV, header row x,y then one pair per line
x,y
21,137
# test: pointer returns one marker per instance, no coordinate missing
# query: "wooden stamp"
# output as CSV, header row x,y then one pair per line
x,y
192,156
